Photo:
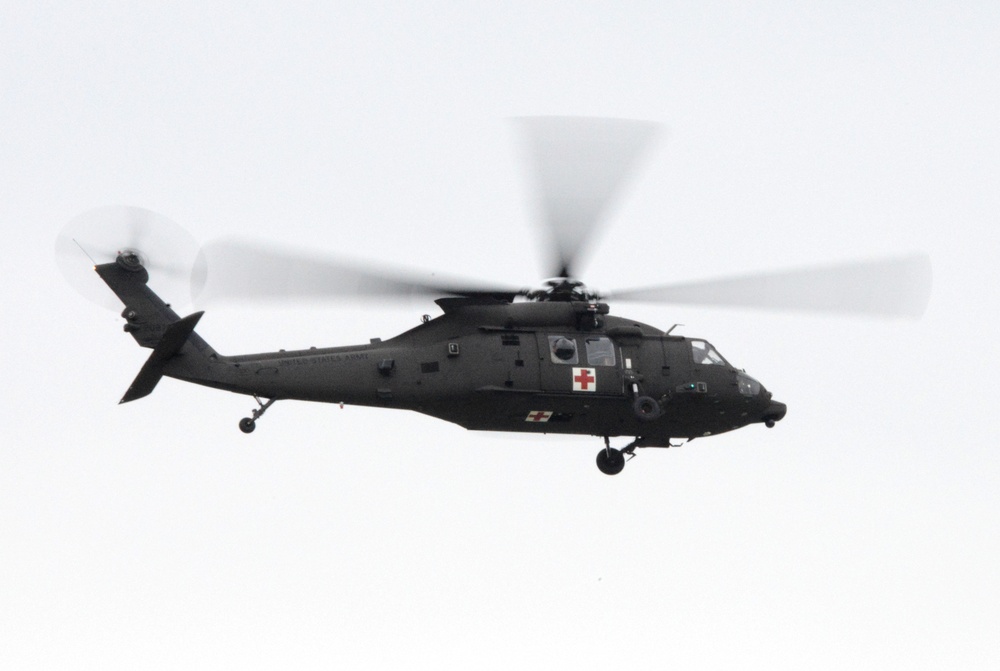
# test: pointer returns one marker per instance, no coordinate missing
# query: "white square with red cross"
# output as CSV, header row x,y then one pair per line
x,y
584,379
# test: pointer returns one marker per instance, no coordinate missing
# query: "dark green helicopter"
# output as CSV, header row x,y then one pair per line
x,y
549,360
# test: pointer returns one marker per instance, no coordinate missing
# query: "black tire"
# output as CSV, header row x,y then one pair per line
x,y
610,461
247,425
647,408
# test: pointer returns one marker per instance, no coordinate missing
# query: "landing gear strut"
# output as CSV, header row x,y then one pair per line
x,y
611,461
248,424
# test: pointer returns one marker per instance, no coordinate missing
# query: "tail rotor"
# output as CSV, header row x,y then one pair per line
x,y
136,238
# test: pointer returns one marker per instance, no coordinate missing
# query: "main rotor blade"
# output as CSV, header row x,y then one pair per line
x,y
244,270
891,287
580,166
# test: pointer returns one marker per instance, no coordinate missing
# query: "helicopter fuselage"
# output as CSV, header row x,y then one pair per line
x,y
487,364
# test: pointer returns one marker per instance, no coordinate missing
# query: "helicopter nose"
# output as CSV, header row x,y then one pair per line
x,y
775,412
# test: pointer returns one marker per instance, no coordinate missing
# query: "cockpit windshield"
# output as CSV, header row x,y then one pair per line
x,y
705,355
748,385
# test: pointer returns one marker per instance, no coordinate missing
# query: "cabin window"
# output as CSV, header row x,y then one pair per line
x,y
705,355
600,351
563,350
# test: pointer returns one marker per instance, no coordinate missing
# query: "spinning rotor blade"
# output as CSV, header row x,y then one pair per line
x,y
580,165
241,270
892,287
168,252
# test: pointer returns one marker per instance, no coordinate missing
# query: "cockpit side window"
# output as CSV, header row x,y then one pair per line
x,y
563,350
600,351
705,355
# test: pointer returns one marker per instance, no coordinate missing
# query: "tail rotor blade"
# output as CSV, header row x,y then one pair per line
x,y
97,236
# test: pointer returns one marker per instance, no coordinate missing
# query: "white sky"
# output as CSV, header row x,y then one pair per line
x,y
862,532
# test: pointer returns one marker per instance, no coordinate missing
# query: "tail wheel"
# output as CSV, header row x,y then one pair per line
x,y
247,425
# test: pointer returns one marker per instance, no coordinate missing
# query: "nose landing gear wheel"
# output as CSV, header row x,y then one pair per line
x,y
247,425
610,461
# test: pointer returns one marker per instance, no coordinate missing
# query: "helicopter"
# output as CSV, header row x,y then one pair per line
x,y
552,359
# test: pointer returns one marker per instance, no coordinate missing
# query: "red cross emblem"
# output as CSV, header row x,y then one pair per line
x,y
538,416
584,379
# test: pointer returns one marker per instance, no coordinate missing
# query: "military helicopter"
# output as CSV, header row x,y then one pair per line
x,y
544,360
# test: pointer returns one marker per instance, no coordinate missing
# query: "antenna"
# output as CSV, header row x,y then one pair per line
x,y
85,252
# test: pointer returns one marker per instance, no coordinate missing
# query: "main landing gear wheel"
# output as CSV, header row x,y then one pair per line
x,y
247,425
610,461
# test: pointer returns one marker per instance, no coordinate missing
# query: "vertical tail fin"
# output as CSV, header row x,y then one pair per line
x,y
147,316
152,323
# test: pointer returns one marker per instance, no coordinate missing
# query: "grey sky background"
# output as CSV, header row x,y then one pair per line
x,y
861,532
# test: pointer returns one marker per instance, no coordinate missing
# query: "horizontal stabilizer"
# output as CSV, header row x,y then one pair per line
x,y
174,337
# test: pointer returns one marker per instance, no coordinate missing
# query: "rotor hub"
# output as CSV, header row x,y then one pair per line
x,y
562,289
131,259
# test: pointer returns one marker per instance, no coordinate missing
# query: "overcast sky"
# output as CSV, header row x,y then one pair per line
x,y
861,532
